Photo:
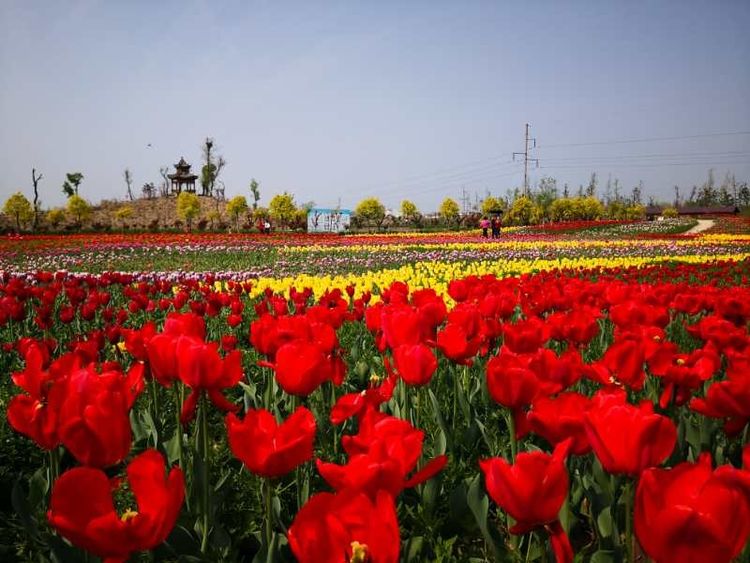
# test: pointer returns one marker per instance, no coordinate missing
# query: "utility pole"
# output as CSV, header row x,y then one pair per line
x,y
465,199
526,160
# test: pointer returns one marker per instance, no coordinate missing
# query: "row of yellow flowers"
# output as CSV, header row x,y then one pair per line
x,y
719,239
437,275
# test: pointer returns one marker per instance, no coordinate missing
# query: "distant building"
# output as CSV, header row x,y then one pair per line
x,y
182,179
322,220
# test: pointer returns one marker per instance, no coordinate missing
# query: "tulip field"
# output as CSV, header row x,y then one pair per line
x,y
577,392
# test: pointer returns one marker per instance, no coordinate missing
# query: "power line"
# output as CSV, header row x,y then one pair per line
x,y
646,140
651,165
722,154
457,177
410,179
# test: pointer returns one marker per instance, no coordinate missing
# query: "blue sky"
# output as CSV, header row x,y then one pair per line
x,y
332,100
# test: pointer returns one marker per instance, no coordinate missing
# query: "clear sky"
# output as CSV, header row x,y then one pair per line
x,y
348,99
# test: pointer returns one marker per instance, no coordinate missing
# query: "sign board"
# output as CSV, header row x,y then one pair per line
x,y
321,220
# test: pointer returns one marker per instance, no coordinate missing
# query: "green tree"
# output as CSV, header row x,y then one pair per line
x,y
743,195
255,190
211,170
523,212
236,207
188,207
707,194
561,210
72,181
122,214
79,208
282,209
492,205
370,211
261,213
18,207
409,212
450,211
55,216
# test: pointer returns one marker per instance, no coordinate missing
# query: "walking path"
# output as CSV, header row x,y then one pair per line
x,y
703,224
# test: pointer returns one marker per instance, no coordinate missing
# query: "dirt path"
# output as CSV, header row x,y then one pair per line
x,y
703,224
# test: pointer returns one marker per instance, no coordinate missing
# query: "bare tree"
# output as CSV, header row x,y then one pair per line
x,y
164,188
129,181
35,180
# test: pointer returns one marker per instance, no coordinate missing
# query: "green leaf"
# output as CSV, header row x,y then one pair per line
x,y
604,522
172,446
603,556
439,420
413,548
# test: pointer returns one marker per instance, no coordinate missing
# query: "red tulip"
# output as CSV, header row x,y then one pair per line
x,y
82,510
357,404
622,364
94,424
415,363
683,373
728,399
31,413
346,526
625,438
556,373
301,367
510,382
201,368
693,514
532,491
381,457
269,449
560,418
457,344
525,336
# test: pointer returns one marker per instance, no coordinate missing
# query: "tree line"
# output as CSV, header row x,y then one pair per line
x,y
545,202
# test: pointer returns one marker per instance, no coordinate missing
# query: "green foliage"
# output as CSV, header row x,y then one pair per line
x,y
635,212
261,213
55,216
523,212
620,211
122,214
492,205
370,211
255,190
577,209
282,209
79,208
18,207
669,213
449,210
188,207
409,210
236,207
72,181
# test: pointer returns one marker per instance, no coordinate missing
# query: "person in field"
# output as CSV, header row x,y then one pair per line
x,y
484,224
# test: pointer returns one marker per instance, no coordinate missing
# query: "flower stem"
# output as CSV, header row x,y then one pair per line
x,y
206,453
628,492
154,409
269,513
512,431
178,392
54,465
